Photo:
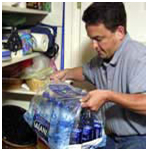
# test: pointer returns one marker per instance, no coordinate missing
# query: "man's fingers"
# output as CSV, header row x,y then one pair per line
x,y
55,79
85,98
84,105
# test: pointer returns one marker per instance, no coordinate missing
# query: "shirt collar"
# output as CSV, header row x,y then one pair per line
x,y
119,51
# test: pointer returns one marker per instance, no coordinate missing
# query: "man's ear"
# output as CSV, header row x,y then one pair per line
x,y
120,33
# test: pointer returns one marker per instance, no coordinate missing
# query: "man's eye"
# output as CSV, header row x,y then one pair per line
x,y
98,40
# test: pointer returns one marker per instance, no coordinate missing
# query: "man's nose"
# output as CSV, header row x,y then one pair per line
x,y
95,44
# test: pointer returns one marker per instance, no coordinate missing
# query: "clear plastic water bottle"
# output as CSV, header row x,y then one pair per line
x,y
97,130
87,126
87,133
97,124
54,123
34,109
55,116
37,104
46,95
76,136
65,127
86,118
47,106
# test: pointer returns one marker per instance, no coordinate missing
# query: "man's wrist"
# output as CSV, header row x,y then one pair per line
x,y
109,95
68,74
113,96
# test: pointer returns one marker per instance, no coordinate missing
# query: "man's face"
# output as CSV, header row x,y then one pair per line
x,y
104,41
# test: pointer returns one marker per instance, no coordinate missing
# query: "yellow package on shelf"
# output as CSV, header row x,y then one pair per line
x,y
36,84
38,79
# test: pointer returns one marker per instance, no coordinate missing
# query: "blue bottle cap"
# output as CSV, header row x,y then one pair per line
x,y
58,103
97,125
87,127
77,130
96,122
46,95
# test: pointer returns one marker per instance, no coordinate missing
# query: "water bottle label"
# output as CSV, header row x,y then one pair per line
x,y
76,136
87,134
41,126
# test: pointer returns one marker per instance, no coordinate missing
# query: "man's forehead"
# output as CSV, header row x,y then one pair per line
x,y
100,28
95,31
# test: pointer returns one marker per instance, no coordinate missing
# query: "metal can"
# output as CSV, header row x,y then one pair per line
x,y
76,136
97,130
87,134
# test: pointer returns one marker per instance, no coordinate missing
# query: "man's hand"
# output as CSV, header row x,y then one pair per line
x,y
60,75
68,74
95,99
134,102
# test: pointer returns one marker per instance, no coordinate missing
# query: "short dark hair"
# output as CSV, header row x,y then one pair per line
x,y
111,14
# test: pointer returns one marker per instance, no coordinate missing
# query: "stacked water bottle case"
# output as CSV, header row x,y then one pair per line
x,y
59,120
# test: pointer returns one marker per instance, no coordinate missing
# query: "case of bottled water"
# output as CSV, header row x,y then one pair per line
x,y
58,119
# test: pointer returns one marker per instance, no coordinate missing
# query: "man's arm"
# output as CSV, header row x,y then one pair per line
x,y
76,74
134,102
69,74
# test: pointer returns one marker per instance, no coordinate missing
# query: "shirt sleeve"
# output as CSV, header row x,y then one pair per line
x,y
89,70
137,78
88,73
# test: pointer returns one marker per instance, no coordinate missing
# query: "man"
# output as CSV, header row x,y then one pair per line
x,y
118,72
